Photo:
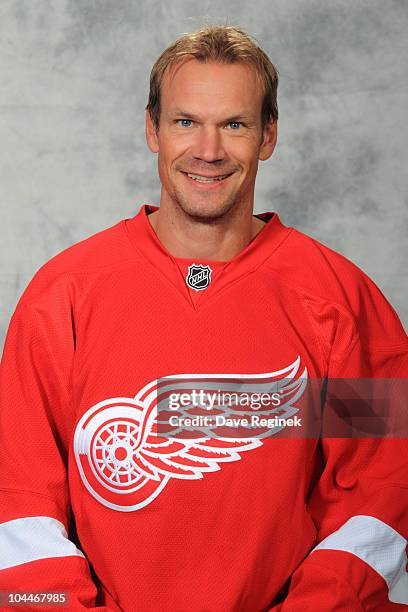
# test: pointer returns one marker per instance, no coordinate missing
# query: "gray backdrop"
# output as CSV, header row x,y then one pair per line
x,y
74,83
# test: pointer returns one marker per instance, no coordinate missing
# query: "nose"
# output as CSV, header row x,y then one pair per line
x,y
208,145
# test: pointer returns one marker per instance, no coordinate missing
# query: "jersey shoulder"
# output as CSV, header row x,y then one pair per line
x,y
99,252
328,282
315,268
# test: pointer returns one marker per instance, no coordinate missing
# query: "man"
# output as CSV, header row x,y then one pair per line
x,y
158,441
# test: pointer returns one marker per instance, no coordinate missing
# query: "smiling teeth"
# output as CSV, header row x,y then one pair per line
x,y
205,179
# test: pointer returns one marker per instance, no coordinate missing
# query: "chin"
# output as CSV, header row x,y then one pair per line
x,y
207,213
206,210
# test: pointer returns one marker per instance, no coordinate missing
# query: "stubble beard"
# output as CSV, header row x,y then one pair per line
x,y
205,209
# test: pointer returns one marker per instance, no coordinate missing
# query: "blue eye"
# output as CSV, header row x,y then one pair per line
x,y
235,124
184,122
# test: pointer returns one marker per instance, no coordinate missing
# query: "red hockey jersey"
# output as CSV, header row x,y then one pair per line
x,y
100,501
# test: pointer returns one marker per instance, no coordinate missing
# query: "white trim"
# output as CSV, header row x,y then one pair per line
x,y
36,537
380,546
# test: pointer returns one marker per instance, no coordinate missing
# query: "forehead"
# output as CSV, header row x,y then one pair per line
x,y
211,88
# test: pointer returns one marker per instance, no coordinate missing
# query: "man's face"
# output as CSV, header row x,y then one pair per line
x,y
209,139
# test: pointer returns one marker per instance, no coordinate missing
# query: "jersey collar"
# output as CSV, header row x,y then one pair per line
x,y
146,242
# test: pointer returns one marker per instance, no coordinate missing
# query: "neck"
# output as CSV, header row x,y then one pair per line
x,y
186,237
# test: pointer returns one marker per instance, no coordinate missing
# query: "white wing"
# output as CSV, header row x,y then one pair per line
x,y
158,455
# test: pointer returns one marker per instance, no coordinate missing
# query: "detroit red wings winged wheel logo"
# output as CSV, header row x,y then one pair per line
x,y
124,461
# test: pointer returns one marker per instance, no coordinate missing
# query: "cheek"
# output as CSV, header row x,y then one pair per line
x,y
171,144
166,161
170,153
245,151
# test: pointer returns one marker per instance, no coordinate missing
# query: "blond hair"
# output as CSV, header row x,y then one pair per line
x,y
223,44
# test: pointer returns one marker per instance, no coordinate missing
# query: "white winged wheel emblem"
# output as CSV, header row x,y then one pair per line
x,y
124,459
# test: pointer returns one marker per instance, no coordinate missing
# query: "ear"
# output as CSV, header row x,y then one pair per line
x,y
151,134
270,135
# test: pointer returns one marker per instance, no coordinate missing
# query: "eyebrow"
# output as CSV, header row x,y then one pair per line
x,y
183,113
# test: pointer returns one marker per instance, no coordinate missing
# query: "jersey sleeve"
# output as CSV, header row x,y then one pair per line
x,y
359,505
36,554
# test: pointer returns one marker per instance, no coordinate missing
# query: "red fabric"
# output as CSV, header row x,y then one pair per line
x,y
113,313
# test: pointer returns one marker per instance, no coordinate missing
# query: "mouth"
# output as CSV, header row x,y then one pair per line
x,y
207,181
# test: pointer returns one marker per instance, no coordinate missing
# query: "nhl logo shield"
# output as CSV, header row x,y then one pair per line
x,y
198,277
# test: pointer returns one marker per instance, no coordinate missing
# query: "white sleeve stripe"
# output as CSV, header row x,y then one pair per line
x,y
380,546
30,539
